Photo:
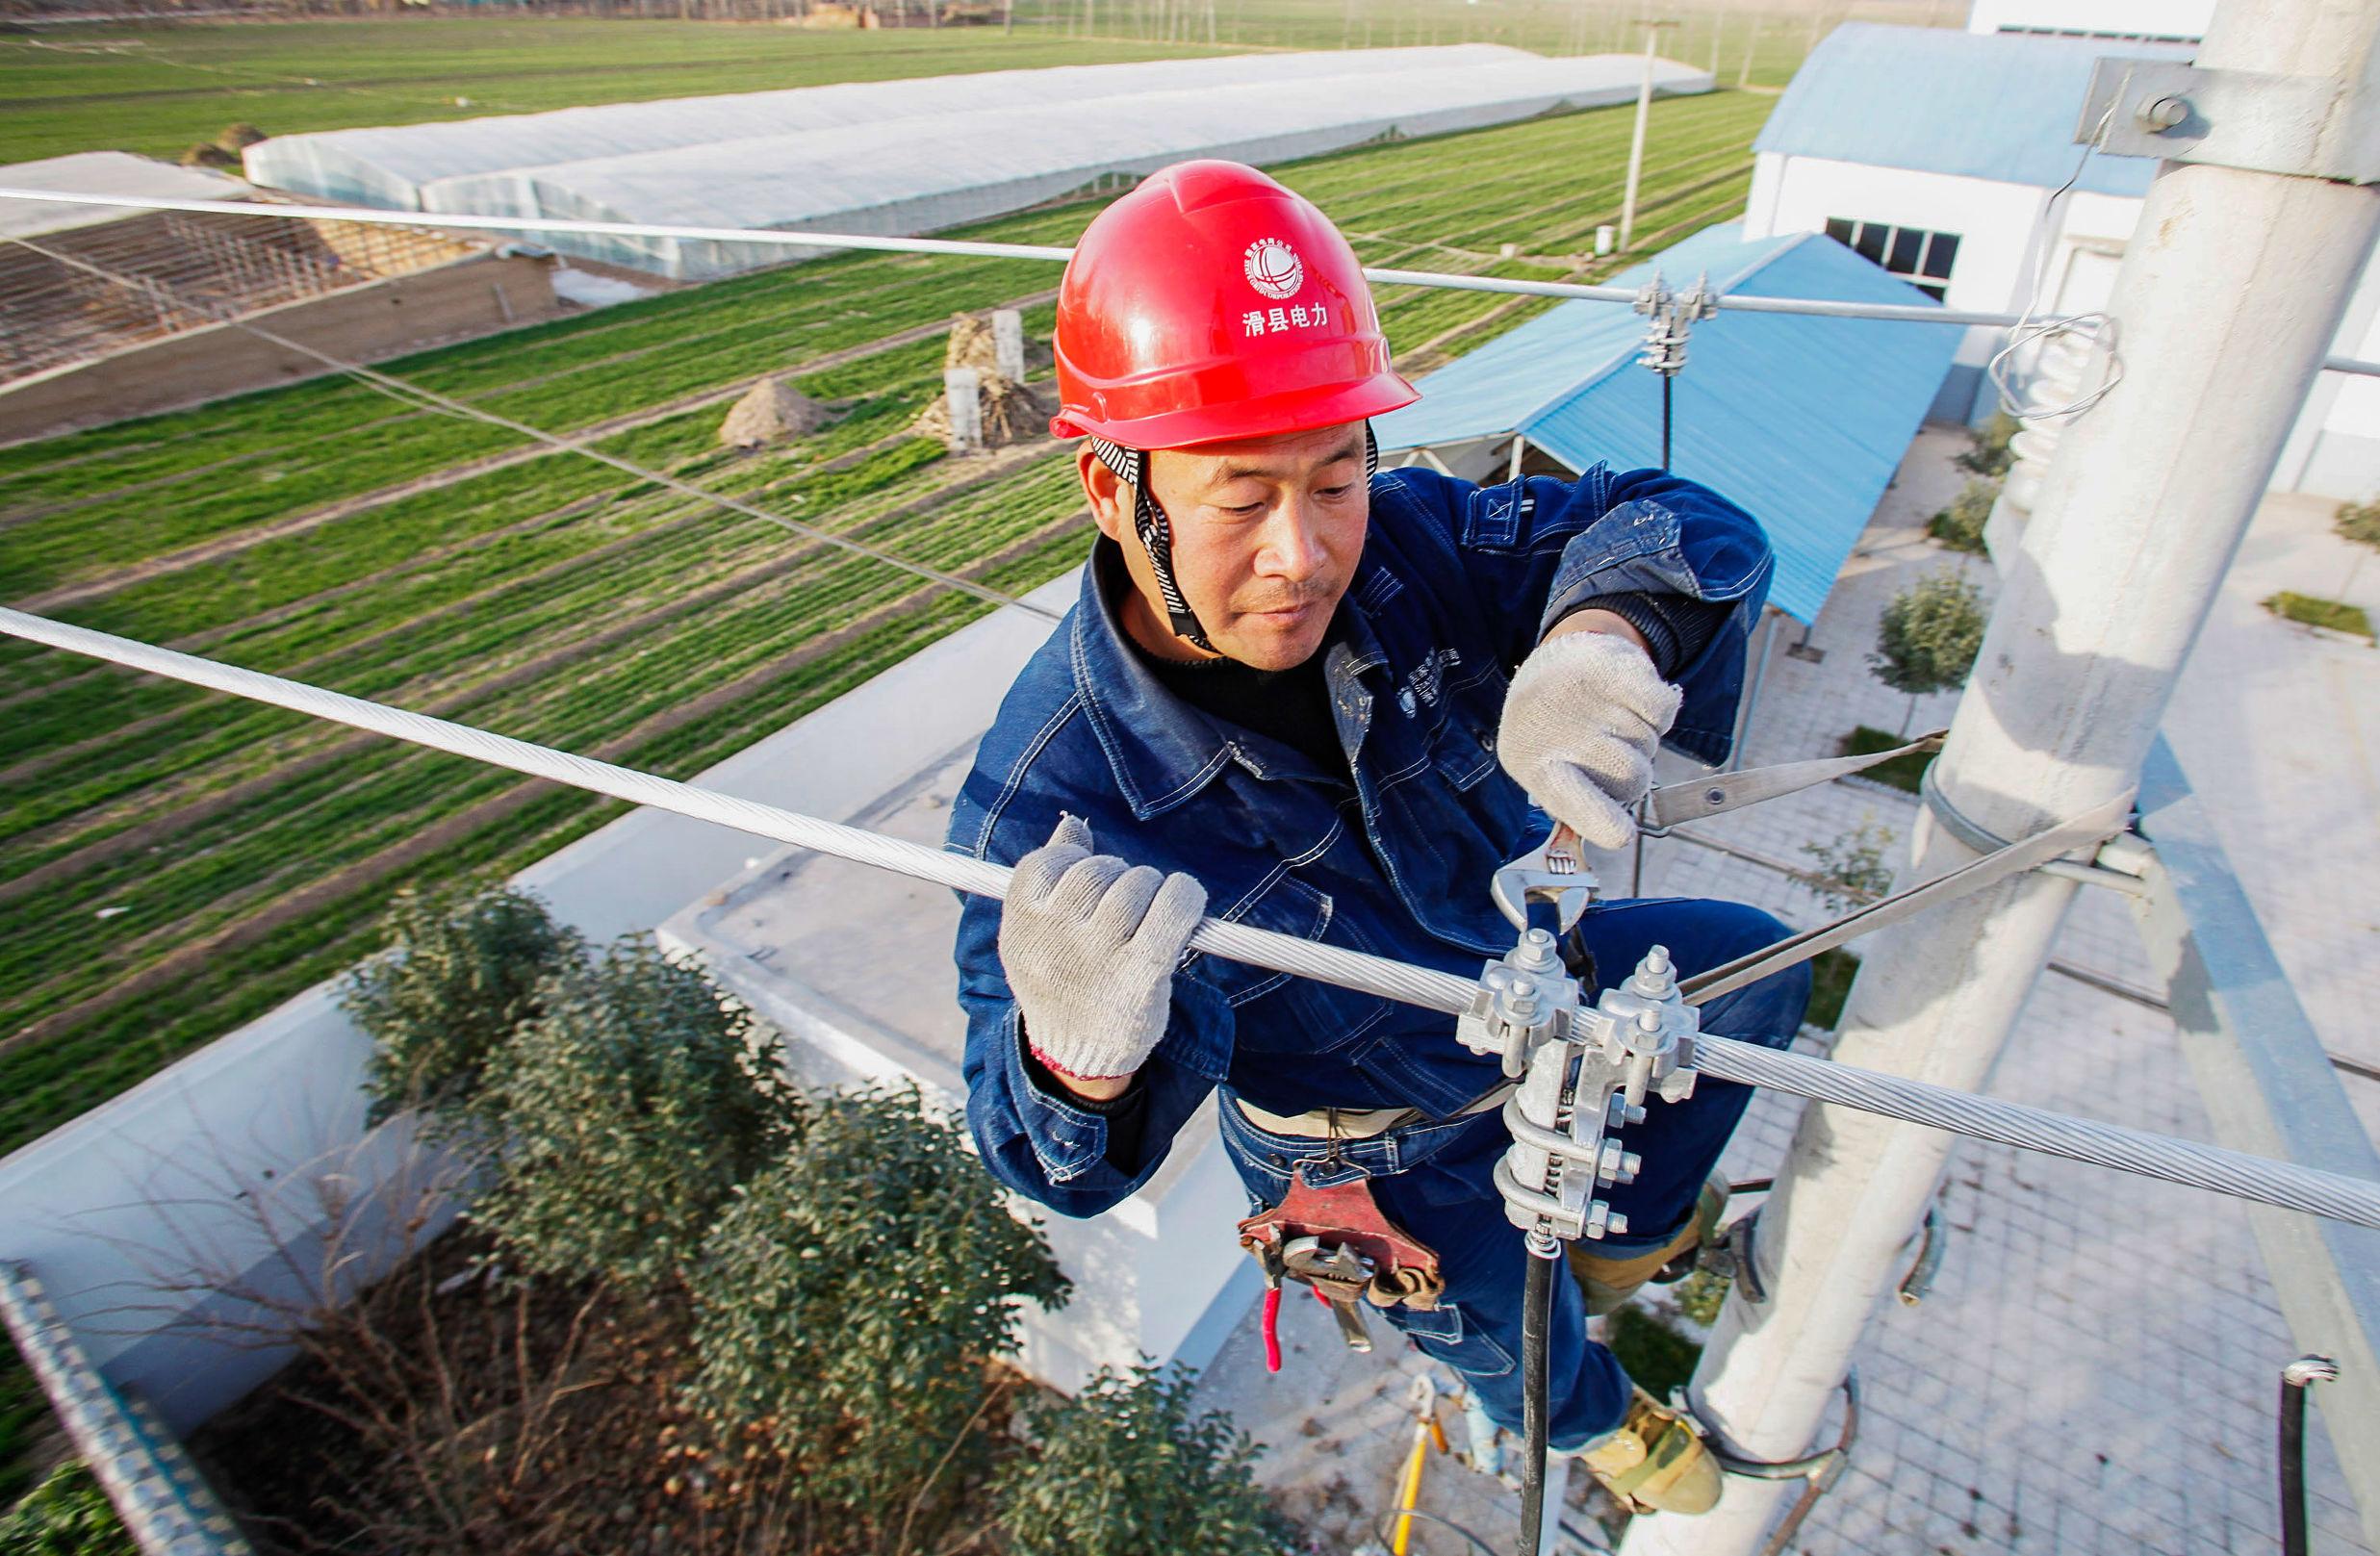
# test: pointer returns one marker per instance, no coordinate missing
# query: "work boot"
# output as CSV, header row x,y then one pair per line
x,y
1655,1463
1609,1281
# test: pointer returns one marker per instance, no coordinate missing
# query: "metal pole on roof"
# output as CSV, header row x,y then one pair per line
x,y
2227,300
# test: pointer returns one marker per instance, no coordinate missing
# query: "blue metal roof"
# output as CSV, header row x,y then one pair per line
x,y
1802,420
1983,105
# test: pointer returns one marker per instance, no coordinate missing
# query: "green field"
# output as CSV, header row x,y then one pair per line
x,y
239,853
158,89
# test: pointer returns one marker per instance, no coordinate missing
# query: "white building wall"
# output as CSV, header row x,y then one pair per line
x,y
2334,450
1994,223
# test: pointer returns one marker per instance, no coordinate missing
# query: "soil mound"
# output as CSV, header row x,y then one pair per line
x,y
772,411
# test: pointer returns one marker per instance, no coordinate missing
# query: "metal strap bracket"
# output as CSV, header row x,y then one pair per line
x,y
1695,799
2303,126
2120,862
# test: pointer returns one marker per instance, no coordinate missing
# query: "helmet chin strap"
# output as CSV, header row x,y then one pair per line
x,y
1148,520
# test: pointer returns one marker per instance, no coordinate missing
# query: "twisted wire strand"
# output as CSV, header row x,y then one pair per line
x,y
1807,307
414,395
2235,1173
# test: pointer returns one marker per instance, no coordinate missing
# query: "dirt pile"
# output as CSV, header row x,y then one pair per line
x,y
772,411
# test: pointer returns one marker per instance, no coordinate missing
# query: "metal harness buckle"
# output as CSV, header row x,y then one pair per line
x,y
1339,1242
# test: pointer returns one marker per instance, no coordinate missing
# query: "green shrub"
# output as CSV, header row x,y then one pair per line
x,y
2359,521
1902,771
634,1101
1989,454
2331,615
66,1515
1655,1355
1961,525
848,1300
461,970
1929,637
1830,978
1850,871
1124,1470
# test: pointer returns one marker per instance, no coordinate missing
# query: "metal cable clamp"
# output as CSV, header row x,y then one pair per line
x,y
1579,1090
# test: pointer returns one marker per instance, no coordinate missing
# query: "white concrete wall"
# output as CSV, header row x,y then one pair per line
x,y
130,1210
1994,223
2334,450
2114,18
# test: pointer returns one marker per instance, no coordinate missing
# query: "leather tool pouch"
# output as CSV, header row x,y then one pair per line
x,y
1345,1225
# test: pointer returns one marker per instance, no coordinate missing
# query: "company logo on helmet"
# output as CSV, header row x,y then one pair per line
x,y
1273,267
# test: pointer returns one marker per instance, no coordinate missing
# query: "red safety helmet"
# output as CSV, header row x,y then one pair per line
x,y
1212,303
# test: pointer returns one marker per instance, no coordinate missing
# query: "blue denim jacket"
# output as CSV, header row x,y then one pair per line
x,y
1456,584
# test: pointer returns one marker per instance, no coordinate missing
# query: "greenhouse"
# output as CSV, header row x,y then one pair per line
x,y
922,173
388,166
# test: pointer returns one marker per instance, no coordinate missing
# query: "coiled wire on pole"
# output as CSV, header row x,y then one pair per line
x,y
2221,1171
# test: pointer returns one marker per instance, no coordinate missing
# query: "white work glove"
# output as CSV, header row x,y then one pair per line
x,y
1584,717
1090,946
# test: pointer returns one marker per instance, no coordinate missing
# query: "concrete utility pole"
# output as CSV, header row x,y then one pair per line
x,y
2229,295
1636,145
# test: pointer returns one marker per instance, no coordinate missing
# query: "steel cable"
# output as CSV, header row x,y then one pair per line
x,y
431,400
2235,1173
1809,307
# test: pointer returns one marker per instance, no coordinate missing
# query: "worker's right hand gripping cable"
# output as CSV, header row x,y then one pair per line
x,y
1585,715
1090,945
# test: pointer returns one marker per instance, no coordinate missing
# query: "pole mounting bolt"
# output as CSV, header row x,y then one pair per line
x,y
2159,115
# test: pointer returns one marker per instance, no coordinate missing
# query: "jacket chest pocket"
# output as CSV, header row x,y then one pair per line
x,y
1280,1012
1464,752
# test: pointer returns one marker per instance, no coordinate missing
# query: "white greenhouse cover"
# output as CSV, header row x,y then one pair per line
x,y
388,166
102,172
924,173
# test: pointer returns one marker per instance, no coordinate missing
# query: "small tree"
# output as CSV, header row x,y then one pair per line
x,y
1125,1468
460,972
634,1104
1961,525
1851,870
1928,638
1990,454
2359,521
848,1300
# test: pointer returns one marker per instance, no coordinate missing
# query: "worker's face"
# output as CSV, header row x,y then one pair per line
x,y
1265,536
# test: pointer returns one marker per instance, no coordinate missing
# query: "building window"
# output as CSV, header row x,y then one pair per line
x,y
1923,259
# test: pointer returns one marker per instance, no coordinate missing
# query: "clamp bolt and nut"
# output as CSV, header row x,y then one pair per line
x,y
2161,115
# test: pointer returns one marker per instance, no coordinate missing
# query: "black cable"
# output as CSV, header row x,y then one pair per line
x,y
1665,420
1536,1317
2292,1467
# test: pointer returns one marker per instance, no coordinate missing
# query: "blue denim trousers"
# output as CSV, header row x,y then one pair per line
x,y
1436,1178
